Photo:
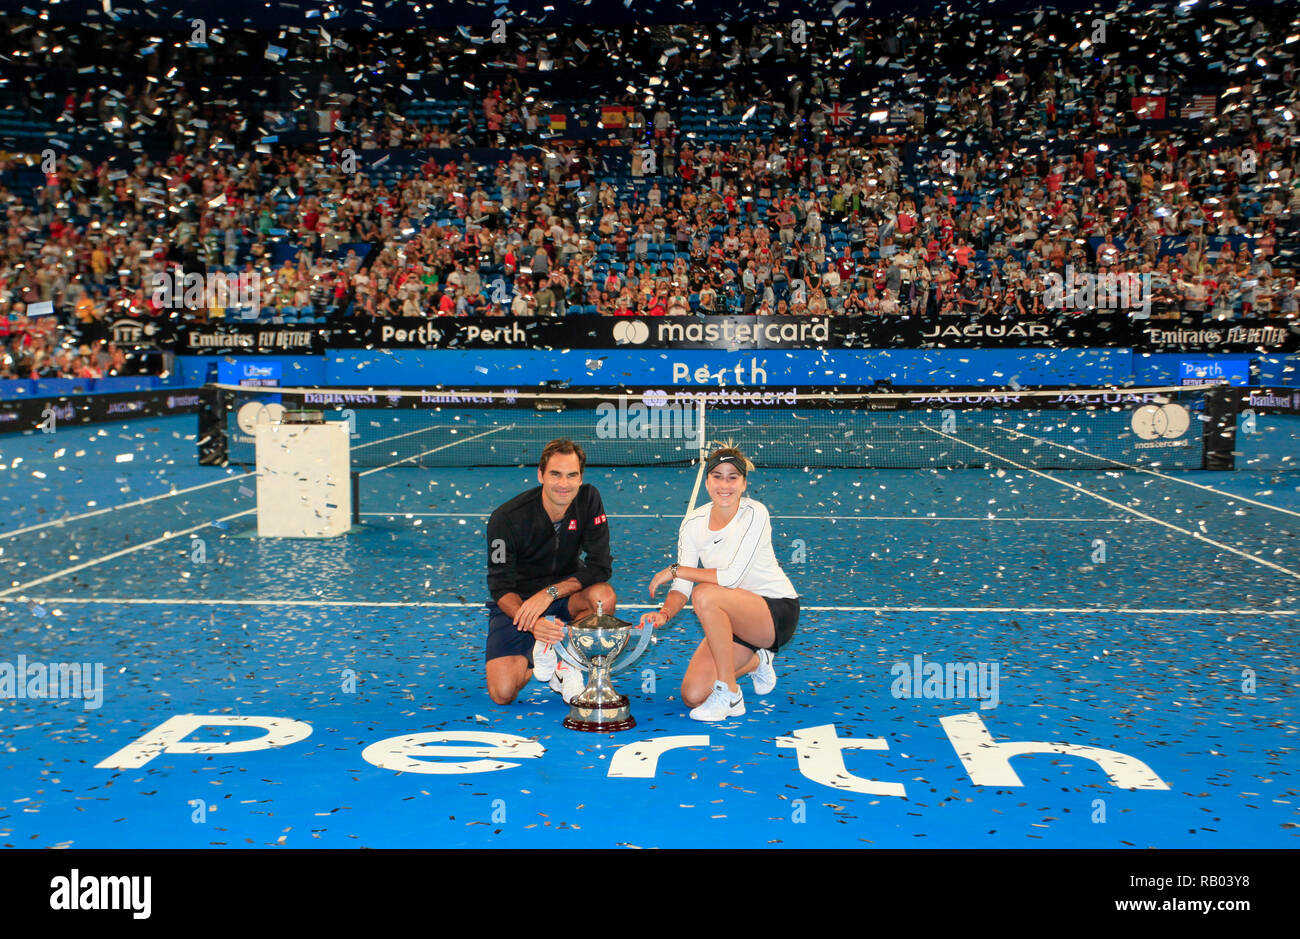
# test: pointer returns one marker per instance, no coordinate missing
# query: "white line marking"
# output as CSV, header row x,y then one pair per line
x,y
1193,534
495,430
702,397
175,492
1143,469
409,433
115,508
437,604
170,535
117,554
818,518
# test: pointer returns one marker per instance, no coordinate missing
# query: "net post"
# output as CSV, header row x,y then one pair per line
x,y
1219,437
699,474
214,445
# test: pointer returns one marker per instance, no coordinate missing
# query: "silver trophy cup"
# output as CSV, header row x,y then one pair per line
x,y
594,642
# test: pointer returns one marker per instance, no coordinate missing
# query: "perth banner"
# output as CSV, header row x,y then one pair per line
x,y
1106,329
741,333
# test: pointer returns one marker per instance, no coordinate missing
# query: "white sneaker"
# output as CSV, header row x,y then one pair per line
x,y
720,704
764,675
544,660
568,681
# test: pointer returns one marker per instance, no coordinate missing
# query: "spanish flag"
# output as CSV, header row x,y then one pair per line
x,y
559,122
615,115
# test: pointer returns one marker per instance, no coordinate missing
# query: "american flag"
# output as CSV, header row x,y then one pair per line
x,y
1201,106
839,114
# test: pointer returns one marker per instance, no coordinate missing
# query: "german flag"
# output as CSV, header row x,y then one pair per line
x,y
559,122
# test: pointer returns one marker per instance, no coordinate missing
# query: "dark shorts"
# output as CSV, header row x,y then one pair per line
x,y
505,638
785,617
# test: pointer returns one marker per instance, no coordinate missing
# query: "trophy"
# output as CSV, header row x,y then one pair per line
x,y
594,642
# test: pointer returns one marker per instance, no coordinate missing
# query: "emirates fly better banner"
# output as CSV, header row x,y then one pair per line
x,y
1067,331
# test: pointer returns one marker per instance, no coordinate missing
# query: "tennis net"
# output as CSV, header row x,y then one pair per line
x,y
1172,428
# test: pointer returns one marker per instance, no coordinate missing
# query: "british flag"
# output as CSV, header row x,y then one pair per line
x,y
839,114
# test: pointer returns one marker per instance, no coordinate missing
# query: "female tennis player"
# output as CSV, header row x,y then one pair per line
x,y
744,601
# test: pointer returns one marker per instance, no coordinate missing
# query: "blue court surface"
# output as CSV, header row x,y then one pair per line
x,y
1136,629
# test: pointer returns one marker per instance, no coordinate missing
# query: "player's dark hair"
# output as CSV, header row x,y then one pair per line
x,y
733,455
563,445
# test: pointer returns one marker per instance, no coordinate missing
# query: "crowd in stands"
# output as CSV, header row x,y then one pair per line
x,y
743,176
34,349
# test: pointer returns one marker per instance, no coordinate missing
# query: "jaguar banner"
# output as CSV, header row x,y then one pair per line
x,y
741,333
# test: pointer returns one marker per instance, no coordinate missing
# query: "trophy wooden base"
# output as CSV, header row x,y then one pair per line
x,y
603,718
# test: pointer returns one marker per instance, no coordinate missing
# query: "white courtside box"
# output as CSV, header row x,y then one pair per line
x,y
304,483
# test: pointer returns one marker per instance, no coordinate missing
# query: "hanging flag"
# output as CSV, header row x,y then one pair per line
x,y
1201,106
1149,107
839,114
900,112
615,115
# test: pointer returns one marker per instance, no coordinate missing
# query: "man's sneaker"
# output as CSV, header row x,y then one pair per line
x,y
567,680
544,659
720,703
764,675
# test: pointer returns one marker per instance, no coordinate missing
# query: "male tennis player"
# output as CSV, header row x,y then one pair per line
x,y
536,578
744,601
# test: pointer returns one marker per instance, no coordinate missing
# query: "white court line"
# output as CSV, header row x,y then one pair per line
x,y
409,433
175,492
1087,492
818,518
438,604
116,508
117,554
1143,469
494,430
169,536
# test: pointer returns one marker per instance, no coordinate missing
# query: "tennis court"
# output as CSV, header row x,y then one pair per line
x,y
1151,613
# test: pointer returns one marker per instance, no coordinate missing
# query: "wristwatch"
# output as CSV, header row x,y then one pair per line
x,y
555,594
673,570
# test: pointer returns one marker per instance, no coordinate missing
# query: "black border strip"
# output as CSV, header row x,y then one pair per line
x,y
33,414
